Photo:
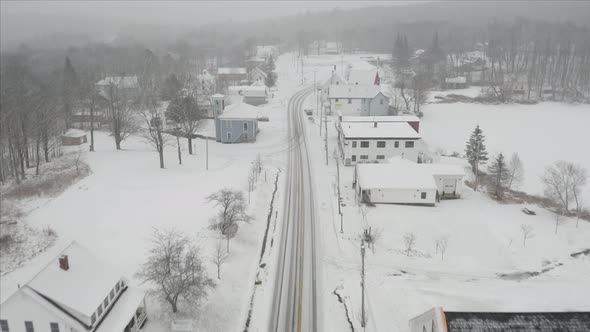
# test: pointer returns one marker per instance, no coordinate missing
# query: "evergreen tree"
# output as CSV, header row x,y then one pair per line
x,y
270,65
171,87
475,151
270,80
498,170
70,85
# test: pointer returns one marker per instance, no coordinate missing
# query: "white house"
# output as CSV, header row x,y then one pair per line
x,y
404,182
412,120
358,100
250,94
364,77
365,142
126,86
75,292
382,183
256,74
334,79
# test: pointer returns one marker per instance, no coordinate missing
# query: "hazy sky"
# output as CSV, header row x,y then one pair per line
x,y
33,19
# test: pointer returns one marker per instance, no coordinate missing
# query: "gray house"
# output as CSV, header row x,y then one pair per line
x,y
236,123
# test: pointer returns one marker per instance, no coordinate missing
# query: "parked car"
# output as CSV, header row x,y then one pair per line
x,y
308,111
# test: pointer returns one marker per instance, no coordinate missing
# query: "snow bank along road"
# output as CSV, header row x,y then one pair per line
x,y
294,306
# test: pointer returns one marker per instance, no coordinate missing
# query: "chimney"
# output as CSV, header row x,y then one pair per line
x,y
375,124
64,264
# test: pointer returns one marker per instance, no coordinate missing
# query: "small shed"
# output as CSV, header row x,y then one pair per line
x,y
459,82
73,137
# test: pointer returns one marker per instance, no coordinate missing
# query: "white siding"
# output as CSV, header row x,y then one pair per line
x,y
401,196
373,151
20,308
456,181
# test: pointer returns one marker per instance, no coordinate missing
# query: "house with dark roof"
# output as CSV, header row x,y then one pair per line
x,y
439,320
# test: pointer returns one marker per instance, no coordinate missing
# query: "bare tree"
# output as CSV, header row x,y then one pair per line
x,y
186,112
371,236
121,111
527,233
515,172
77,160
220,255
441,246
153,132
409,242
251,181
579,178
563,184
232,208
174,267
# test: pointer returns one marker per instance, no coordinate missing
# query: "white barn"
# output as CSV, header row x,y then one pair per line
x,y
75,292
375,141
404,182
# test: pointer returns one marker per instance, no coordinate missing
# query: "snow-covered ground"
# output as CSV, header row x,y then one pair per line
x,y
113,211
541,134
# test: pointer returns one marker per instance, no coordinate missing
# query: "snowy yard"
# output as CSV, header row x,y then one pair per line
x,y
113,211
541,134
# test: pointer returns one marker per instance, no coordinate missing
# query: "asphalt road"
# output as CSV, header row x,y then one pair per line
x,y
294,305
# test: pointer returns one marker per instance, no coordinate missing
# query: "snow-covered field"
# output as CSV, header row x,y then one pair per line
x,y
541,134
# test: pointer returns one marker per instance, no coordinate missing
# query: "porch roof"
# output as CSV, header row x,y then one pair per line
x,y
122,312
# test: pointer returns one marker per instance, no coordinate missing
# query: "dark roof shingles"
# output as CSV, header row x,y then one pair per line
x,y
518,322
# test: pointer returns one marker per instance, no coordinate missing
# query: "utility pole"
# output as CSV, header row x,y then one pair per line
x,y
326,134
363,318
207,153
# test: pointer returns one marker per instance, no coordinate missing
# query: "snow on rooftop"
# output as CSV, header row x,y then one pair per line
x,y
247,90
353,91
124,309
432,169
227,71
389,176
74,133
380,118
382,130
240,111
86,275
456,80
120,81
362,76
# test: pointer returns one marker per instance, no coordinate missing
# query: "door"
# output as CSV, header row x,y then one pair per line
x,y
449,186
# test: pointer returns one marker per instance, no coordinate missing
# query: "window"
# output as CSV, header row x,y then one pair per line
x,y
349,101
354,144
29,326
54,327
336,99
353,158
245,126
99,310
4,325
229,136
364,144
380,157
364,157
106,302
396,144
381,101
93,318
112,295
409,144
423,195
380,144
